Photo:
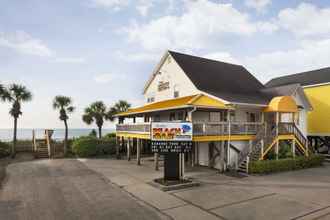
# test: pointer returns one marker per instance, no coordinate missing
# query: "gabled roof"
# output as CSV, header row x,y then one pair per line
x,y
226,81
313,77
199,100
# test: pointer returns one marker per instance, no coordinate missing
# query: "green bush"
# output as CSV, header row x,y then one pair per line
x,y
272,166
91,146
4,149
110,135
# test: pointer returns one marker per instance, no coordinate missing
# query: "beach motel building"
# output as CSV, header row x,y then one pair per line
x,y
235,118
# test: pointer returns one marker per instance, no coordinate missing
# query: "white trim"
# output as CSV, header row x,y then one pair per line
x,y
249,104
155,71
215,97
315,85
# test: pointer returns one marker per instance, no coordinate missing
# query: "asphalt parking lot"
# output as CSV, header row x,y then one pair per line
x,y
303,194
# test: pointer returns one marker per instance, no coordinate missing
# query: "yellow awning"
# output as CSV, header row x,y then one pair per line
x,y
200,100
282,104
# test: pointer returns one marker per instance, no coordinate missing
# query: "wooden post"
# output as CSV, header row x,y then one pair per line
x,y
117,146
156,161
192,153
183,165
138,151
277,132
294,148
229,136
128,149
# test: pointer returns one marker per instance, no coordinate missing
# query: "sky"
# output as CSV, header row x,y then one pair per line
x,y
105,50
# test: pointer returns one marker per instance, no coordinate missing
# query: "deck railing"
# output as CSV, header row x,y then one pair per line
x,y
135,128
201,128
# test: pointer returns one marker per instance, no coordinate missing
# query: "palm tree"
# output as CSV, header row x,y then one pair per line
x,y
16,94
120,106
97,112
2,92
64,104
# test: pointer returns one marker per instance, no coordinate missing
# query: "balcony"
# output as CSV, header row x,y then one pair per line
x,y
200,128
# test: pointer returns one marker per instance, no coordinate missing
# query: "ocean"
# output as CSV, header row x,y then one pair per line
x,y
26,134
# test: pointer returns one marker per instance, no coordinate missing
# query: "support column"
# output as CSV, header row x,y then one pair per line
x,y
138,151
128,149
156,161
193,155
117,147
182,165
294,148
229,136
277,132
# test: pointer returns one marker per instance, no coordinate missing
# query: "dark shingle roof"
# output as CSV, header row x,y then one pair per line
x,y
230,82
305,79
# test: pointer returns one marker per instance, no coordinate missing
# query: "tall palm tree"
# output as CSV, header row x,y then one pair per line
x,y
16,94
2,92
120,106
64,104
97,112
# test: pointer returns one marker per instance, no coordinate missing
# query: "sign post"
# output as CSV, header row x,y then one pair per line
x,y
171,139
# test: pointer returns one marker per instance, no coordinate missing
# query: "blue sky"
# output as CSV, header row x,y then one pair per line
x,y
106,49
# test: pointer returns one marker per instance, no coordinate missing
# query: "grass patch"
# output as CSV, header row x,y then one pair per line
x,y
281,165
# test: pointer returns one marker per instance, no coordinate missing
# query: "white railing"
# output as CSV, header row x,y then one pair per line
x,y
135,128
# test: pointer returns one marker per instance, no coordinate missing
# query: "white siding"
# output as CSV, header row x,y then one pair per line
x,y
170,72
302,125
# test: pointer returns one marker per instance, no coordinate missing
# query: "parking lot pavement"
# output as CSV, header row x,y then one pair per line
x,y
66,189
303,194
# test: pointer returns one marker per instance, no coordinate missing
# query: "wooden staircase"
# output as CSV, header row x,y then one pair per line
x,y
267,137
42,147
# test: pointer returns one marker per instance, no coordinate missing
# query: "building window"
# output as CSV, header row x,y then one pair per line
x,y
156,118
172,116
232,116
223,116
181,116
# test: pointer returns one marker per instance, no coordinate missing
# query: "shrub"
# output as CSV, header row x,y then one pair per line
x,y
91,146
271,166
110,135
4,149
106,146
85,146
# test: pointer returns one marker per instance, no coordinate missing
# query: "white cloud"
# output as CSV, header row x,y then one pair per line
x,y
137,57
108,77
258,5
222,56
22,42
70,60
310,55
112,4
144,6
202,24
305,20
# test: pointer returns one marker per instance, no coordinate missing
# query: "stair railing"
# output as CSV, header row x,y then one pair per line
x,y
256,143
